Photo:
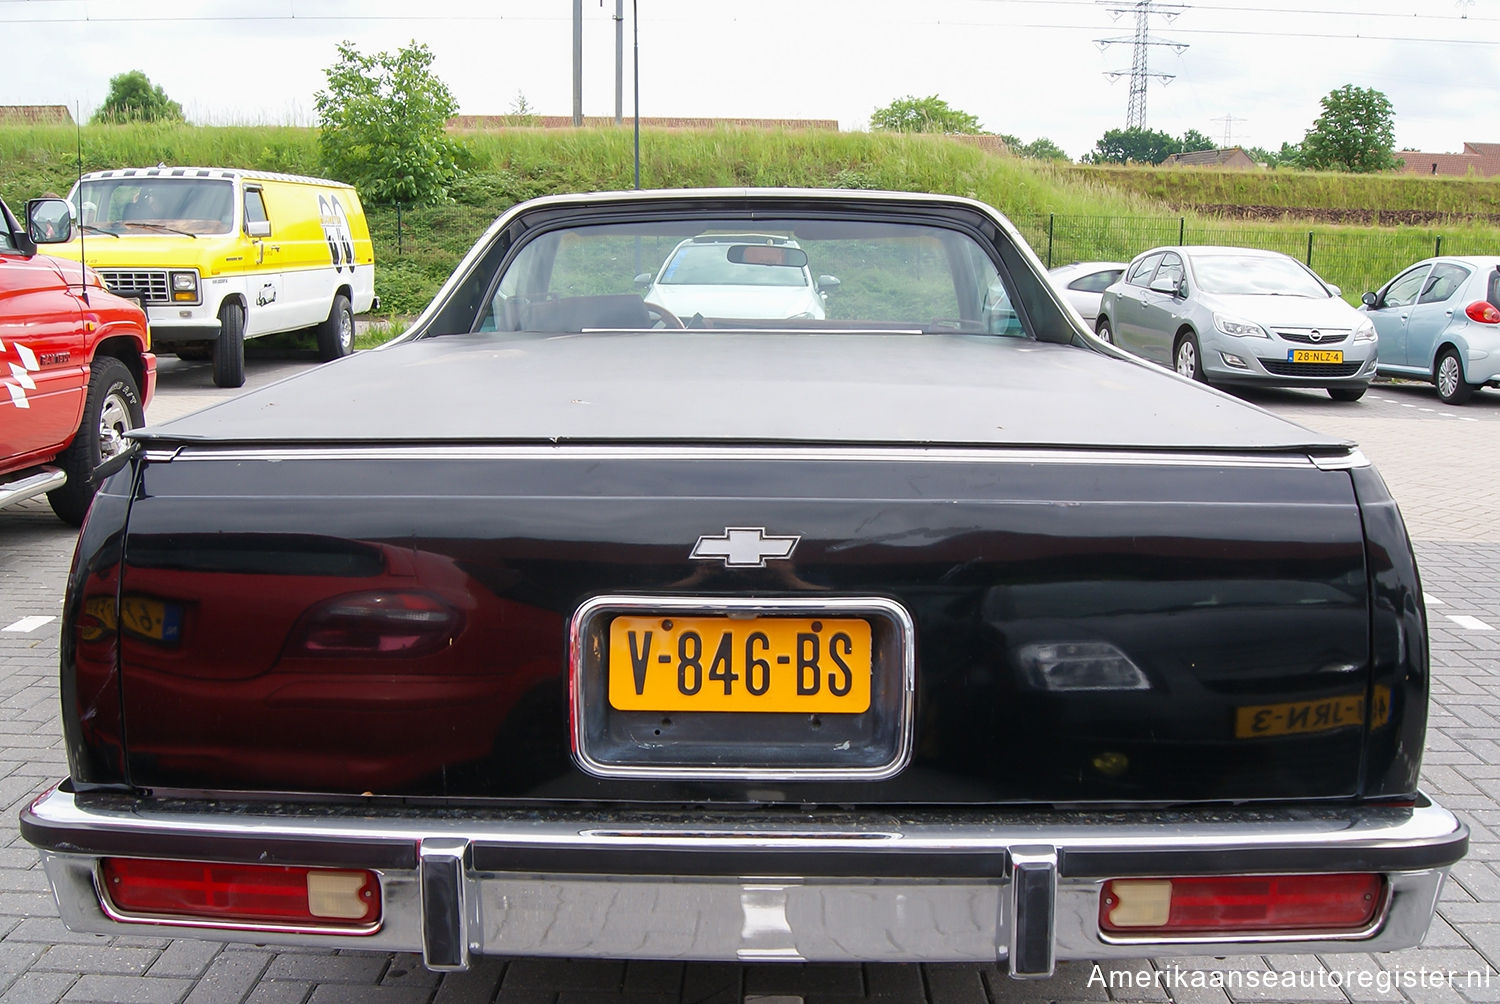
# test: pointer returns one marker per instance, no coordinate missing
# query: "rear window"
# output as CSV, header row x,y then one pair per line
x,y
666,273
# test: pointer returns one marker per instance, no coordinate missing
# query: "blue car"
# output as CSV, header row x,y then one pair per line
x,y
1440,321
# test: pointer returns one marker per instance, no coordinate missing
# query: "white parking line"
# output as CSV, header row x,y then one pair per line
x,y
28,623
1431,600
1472,623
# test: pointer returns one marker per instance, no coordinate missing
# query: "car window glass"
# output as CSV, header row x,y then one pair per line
x,y
722,273
255,206
1443,282
1169,273
1403,292
1140,275
1096,282
1493,293
1251,275
146,204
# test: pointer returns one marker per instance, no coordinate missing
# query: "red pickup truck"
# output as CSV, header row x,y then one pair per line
x,y
76,372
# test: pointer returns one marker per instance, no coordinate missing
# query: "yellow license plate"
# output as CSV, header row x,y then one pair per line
x,y
1315,355
763,664
1295,717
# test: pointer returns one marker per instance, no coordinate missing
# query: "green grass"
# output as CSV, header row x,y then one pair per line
x,y
1298,190
1106,213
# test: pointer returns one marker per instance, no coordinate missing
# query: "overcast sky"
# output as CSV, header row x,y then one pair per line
x,y
1251,73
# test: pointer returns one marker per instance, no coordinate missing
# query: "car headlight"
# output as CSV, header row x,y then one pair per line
x,y
185,286
1236,326
1364,331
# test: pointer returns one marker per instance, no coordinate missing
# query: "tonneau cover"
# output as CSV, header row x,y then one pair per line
x,y
715,386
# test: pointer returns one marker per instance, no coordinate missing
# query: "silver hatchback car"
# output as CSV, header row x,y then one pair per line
x,y
1225,315
1439,320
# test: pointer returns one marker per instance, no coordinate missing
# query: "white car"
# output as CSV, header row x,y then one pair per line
x,y
738,276
1083,282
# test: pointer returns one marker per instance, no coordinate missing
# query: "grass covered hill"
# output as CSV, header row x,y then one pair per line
x,y
1067,212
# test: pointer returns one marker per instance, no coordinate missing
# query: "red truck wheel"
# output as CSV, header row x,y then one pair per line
x,y
113,408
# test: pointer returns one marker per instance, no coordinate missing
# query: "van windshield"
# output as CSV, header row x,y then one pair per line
x,y
157,205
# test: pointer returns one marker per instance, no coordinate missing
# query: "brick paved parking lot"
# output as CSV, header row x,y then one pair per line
x,y
1436,460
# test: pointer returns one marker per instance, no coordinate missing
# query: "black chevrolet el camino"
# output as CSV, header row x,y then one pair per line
x,y
919,625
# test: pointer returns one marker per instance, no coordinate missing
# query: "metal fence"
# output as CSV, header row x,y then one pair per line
x,y
1354,261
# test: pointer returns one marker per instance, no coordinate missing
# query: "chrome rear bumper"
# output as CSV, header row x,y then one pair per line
x,y
1019,888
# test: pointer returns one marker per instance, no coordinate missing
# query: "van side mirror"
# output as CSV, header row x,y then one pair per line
x,y
258,228
1369,299
643,280
49,221
828,283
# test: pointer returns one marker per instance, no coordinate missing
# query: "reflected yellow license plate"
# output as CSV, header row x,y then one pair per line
x,y
766,664
1314,355
1295,717
142,617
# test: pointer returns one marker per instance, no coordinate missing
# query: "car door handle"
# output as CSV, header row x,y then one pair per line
x,y
1448,312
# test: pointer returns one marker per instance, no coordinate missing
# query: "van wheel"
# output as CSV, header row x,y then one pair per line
x,y
336,335
111,409
229,350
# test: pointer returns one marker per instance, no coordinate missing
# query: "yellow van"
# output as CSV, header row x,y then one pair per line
x,y
217,256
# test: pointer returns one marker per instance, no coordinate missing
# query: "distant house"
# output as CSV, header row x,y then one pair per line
x,y
35,115
1232,156
1482,159
482,123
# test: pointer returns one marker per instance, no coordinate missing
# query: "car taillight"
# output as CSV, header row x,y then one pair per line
x,y
1483,311
195,892
379,624
1234,904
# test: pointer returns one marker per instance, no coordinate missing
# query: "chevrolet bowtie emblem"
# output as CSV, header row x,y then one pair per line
x,y
744,547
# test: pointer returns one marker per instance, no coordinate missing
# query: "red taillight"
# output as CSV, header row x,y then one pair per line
x,y
145,890
384,623
1226,905
1483,311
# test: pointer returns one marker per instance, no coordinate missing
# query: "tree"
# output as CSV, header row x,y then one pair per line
x,y
1144,146
382,125
133,98
521,113
929,114
1193,141
1290,155
1356,132
1041,148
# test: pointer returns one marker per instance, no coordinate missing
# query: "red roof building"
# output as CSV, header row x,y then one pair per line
x,y
1480,159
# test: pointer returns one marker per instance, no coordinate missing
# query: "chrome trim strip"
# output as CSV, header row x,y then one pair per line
x,y
1348,462
1368,829
1372,829
737,606
44,480
114,913
904,454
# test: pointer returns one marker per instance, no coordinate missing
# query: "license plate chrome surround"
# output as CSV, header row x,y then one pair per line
x,y
877,743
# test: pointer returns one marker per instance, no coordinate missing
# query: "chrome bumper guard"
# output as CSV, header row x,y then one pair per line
x,y
1017,888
